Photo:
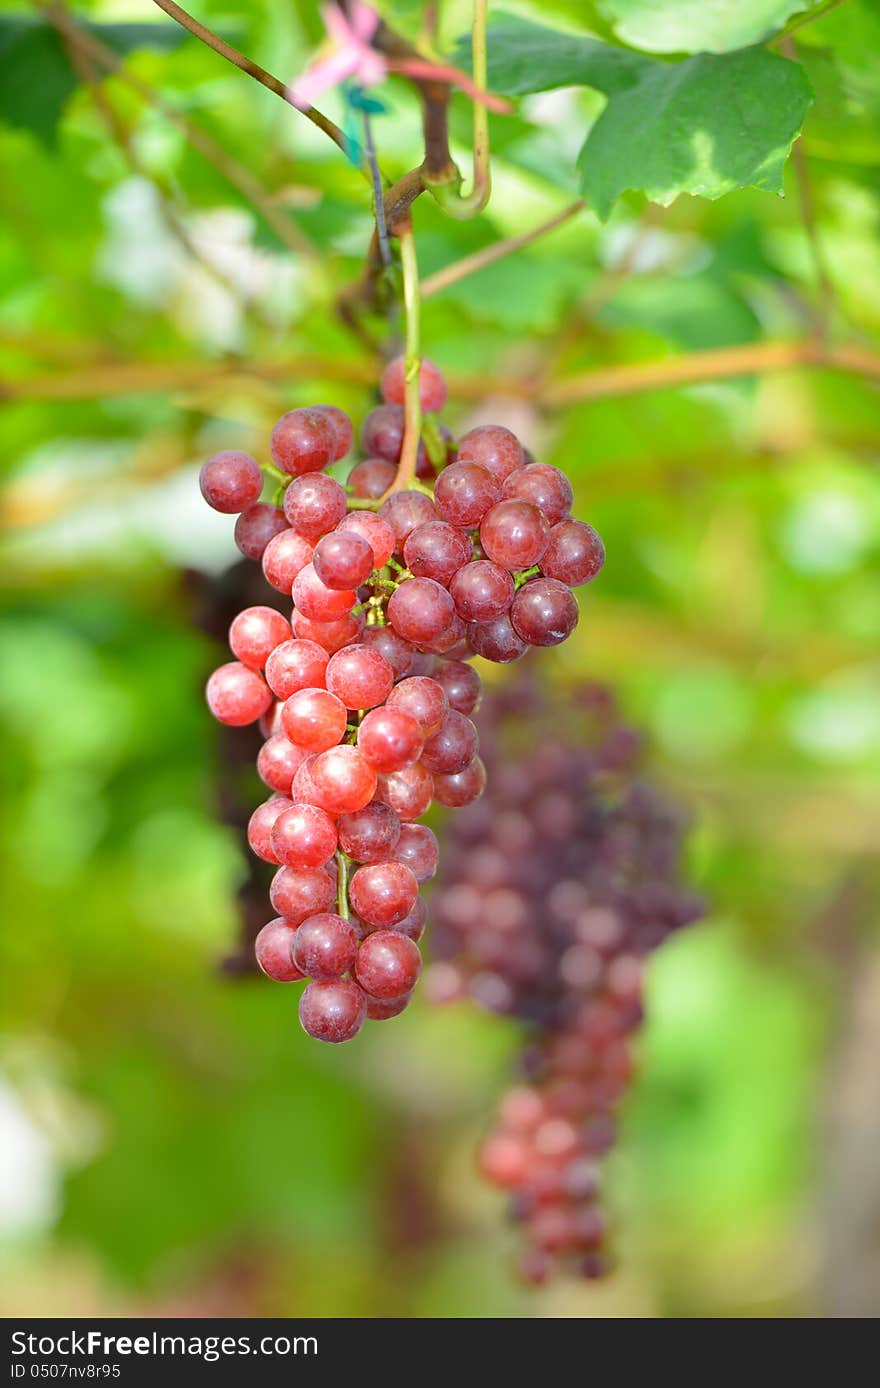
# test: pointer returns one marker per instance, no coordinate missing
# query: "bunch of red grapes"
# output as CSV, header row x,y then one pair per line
x,y
555,889
364,694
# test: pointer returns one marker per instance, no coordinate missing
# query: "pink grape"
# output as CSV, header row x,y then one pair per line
x,y
343,780
544,486
544,612
481,591
277,762
303,441
318,602
461,683
372,477
452,747
414,924
297,893
255,527
398,652
465,492
236,695
332,1011
255,633
494,448
325,946
390,739
383,893
461,787
497,640
515,534
360,676
294,665
432,387
574,555
369,835
259,829
382,432
408,792
304,837
403,511
419,609
314,504
330,636
314,719
375,530
343,559
383,1009
436,550
231,481
342,428
388,964
273,948
423,698
418,848
283,558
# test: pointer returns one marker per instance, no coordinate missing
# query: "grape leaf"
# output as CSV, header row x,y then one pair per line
x,y
37,77
704,125
697,26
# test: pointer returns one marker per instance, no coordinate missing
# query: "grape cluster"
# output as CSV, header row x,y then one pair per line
x,y
555,889
364,695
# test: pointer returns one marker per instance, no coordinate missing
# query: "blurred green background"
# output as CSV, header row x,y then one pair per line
x,y
169,1140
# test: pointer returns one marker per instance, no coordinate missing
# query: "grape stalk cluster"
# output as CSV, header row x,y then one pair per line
x,y
555,890
364,694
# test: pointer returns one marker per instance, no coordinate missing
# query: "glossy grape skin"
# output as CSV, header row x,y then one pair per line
x,y
574,555
418,848
383,1009
481,591
259,831
404,511
256,526
423,698
343,560
413,925
408,792
515,534
464,492
432,387
231,481
382,432
495,448
303,441
383,893
325,946
448,640
342,429
452,747
388,964
314,719
372,477
277,763
419,609
375,530
461,683
314,504
360,676
544,612
390,739
304,837
369,835
343,780
398,652
284,557
254,634
330,636
236,695
333,1010
318,602
297,893
273,949
497,641
544,486
294,665
461,787
436,550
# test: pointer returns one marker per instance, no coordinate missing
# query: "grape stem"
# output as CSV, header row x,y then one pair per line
x,y
342,865
412,403
524,575
448,192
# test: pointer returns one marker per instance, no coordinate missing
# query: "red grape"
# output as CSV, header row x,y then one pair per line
x,y
343,559
314,719
496,640
414,924
403,511
382,432
544,612
325,946
390,738
436,550
464,493
330,636
494,448
318,602
360,676
409,792
342,428
369,835
574,555
382,1009
398,652
314,504
259,830
277,762
388,964
461,683
343,780
294,665
231,481
419,609
481,591
303,441
452,747
283,558
515,534
372,477
256,527
423,698
274,950
461,787
301,892
332,1011
544,486
255,633
375,530
237,695
304,837
383,893
418,848
432,387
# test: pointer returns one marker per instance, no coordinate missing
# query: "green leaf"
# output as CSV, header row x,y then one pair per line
x,y
705,126
37,77
691,311
697,26
526,57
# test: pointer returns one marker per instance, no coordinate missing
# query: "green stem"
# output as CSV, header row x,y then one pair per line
x,y
412,404
342,864
525,574
449,194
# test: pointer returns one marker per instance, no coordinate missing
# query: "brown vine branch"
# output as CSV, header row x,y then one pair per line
x,y
245,64
471,264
